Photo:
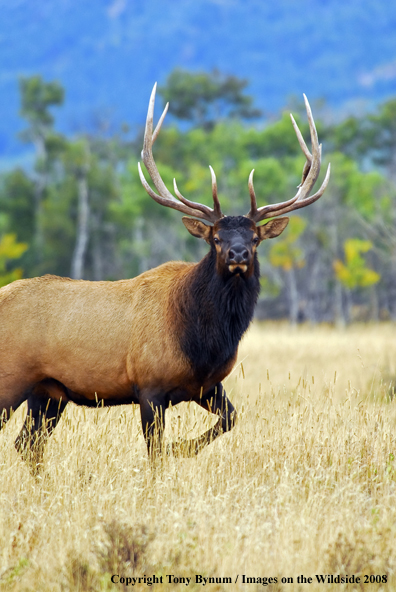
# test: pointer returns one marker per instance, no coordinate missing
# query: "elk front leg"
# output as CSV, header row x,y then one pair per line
x,y
152,411
217,402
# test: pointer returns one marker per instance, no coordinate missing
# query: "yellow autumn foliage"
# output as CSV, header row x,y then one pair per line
x,y
354,273
10,249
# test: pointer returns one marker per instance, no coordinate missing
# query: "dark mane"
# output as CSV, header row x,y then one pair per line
x,y
217,310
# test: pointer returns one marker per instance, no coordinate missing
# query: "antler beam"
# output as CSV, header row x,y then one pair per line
x,y
310,174
165,197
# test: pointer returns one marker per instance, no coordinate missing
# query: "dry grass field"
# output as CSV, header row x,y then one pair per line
x,y
305,484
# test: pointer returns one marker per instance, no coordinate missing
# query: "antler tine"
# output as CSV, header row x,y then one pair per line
x,y
310,174
147,155
217,209
271,208
253,201
300,139
206,211
314,164
161,119
216,202
309,200
165,201
165,197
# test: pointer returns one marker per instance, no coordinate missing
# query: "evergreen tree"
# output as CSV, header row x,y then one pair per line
x,y
203,98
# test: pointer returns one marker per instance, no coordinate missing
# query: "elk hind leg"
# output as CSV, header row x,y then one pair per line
x,y
11,397
152,411
43,414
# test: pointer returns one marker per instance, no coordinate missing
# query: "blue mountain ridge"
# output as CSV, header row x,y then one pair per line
x,y
108,53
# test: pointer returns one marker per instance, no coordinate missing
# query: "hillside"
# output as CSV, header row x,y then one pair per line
x,y
108,53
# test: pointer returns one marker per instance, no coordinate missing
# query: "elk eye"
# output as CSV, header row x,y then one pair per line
x,y
255,240
216,240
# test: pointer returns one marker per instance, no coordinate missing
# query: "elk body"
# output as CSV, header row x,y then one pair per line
x,y
166,336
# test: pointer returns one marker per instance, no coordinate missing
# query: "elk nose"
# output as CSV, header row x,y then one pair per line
x,y
238,254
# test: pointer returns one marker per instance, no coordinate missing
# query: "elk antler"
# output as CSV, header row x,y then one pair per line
x,y
310,174
165,197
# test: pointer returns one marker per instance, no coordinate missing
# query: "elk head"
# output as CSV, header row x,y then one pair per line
x,y
234,238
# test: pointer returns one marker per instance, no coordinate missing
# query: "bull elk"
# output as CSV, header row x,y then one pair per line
x,y
169,335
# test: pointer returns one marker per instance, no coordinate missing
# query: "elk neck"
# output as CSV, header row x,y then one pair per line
x,y
214,312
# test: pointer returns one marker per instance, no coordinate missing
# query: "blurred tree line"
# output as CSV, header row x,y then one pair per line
x,y
81,211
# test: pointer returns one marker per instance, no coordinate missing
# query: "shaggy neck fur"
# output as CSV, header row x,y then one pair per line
x,y
216,311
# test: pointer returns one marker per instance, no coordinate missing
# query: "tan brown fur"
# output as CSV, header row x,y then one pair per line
x,y
94,337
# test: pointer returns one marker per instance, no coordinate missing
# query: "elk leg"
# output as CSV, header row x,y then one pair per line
x,y
7,408
217,402
152,411
43,414
13,392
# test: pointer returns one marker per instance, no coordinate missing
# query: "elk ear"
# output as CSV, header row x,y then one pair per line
x,y
197,228
273,228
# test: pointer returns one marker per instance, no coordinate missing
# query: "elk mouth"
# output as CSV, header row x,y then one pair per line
x,y
238,267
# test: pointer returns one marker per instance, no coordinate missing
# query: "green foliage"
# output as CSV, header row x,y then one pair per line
x,y
365,192
269,288
37,97
203,98
270,181
17,194
10,249
354,273
351,137
368,138
77,157
383,134
276,140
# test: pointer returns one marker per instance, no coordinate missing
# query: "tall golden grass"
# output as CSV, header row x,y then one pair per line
x,y
304,485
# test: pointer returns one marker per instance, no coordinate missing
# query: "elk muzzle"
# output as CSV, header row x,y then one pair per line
x,y
238,259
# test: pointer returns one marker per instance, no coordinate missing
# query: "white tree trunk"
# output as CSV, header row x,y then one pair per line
x,y
77,267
